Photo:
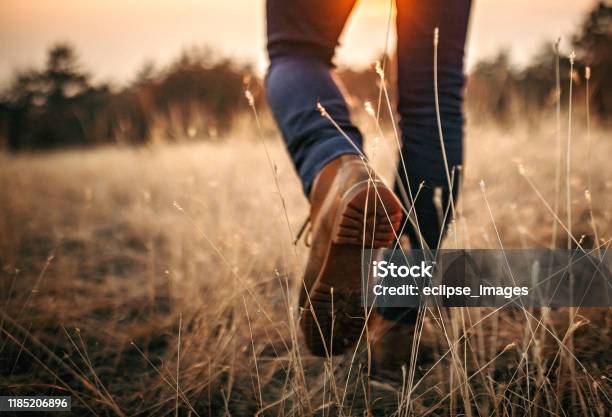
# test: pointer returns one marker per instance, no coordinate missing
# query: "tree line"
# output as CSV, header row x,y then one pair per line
x,y
59,105
201,96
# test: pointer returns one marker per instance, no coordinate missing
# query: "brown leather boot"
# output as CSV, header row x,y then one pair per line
x,y
344,197
391,348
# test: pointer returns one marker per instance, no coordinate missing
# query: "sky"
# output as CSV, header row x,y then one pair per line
x,y
115,38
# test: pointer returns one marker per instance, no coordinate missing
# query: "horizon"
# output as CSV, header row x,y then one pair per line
x,y
237,31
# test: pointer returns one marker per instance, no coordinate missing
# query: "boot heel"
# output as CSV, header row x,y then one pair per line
x,y
370,218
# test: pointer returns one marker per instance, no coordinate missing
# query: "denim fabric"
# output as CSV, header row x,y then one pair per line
x,y
302,37
294,86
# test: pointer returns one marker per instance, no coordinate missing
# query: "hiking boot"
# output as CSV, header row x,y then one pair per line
x,y
350,210
393,353
391,348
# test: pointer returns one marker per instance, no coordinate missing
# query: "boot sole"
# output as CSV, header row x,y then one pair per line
x,y
336,293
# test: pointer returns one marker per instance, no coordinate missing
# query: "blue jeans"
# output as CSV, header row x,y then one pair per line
x,y
302,37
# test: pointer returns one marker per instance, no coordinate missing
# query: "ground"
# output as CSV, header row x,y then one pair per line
x,y
163,279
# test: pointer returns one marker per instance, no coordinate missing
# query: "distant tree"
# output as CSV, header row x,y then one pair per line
x,y
199,90
46,107
62,75
146,74
492,87
58,105
496,89
593,44
538,80
60,79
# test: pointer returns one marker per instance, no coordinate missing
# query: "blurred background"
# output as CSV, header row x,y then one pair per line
x,y
77,74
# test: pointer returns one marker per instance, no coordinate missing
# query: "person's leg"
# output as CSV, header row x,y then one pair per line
x,y
422,153
422,159
345,195
302,37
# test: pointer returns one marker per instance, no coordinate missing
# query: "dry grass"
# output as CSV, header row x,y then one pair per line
x,y
163,280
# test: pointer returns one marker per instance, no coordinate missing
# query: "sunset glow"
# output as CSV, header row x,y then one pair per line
x,y
116,37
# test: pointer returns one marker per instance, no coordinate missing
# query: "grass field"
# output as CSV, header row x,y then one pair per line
x,y
163,280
